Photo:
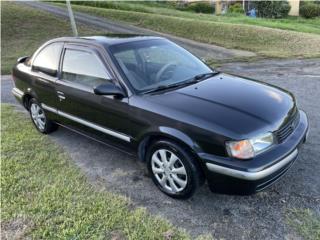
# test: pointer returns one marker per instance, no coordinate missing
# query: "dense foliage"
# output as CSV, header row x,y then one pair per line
x,y
272,9
310,10
201,7
236,8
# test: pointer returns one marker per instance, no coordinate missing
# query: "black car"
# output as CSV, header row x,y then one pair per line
x,y
146,95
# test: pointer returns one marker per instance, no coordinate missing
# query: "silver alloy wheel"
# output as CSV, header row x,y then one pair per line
x,y
169,171
38,116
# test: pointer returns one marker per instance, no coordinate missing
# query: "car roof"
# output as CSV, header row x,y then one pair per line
x,y
108,40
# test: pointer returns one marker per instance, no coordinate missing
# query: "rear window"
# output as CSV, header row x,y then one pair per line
x,y
49,56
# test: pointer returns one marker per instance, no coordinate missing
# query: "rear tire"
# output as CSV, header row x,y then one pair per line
x,y
173,169
39,118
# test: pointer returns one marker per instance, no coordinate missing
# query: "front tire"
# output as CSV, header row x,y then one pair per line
x,y
39,118
173,169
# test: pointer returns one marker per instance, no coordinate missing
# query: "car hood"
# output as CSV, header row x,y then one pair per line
x,y
229,104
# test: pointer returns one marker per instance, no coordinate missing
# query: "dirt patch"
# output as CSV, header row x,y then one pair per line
x,y
16,229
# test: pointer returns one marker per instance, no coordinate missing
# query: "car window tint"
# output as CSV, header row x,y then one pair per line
x,y
83,68
49,57
157,54
160,62
127,57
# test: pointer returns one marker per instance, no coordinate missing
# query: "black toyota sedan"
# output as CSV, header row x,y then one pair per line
x,y
148,96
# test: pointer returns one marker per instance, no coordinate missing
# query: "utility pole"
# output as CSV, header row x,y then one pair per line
x,y
218,7
72,21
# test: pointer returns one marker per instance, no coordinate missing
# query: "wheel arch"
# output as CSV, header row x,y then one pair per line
x,y
175,136
28,95
26,99
166,133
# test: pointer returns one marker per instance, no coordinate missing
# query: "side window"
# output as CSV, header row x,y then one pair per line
x,y
83,68
48,57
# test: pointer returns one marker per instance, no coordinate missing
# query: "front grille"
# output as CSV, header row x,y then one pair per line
x,y
284,132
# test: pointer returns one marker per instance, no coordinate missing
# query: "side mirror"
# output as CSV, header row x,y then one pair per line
x,y
109,89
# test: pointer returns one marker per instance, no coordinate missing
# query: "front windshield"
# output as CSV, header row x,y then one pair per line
x,y
154,63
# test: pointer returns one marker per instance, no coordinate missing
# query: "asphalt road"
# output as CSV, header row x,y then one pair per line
x,y
202,50
260,216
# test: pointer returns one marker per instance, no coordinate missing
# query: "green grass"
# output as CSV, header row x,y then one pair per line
x,y
49,198
298,24
24,29
267,42
305,222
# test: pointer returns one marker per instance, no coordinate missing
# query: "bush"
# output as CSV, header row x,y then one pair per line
x,y
310,10
201,7
272,9
236,8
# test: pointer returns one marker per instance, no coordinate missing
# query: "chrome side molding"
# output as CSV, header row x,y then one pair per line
x,y
50,109
17,92
87,123
251,176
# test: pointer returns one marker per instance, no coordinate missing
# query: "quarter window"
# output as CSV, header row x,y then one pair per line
x,y
84,68
48,58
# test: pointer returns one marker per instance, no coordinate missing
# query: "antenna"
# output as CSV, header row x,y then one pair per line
x,y
72,21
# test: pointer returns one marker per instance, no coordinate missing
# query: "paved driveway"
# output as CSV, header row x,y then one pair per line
x,y
260,216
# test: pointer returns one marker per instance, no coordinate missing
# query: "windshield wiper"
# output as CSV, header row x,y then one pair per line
x,y
161,87
193,80
203,76
196,78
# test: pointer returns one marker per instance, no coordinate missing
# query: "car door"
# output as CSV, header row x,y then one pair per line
x,y
44,73
83,68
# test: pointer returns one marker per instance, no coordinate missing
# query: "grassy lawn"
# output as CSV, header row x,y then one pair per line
x,y
266,42
305,222
298,24
23,30
44,196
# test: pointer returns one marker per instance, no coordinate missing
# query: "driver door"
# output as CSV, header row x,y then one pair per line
x,y
82,69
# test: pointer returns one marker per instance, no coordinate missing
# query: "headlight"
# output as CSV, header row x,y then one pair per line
x,y
249,148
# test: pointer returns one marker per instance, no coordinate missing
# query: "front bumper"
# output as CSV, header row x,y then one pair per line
x,y
232,176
